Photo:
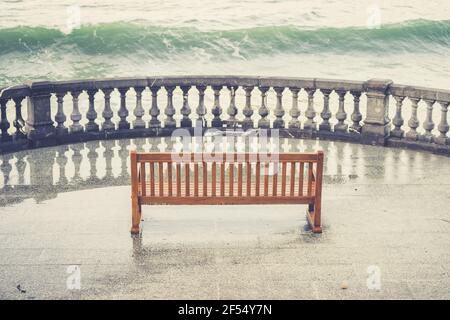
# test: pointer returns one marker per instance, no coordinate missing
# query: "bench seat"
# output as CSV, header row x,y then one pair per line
x,y
289,178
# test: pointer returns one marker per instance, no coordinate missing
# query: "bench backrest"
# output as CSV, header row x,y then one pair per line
x,y
238,178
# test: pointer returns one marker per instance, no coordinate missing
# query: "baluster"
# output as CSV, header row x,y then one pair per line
x,y
279,111
170,110
413,122
161,178
247,123
263,123
77,158
60,117
154,110
123,111
19,123
428,124
326,113
310,124
443,125
76,115
186,109
139,110
217,109
201,109
4,123
232,109
341,115
107,112
398,119
294,123
91,114
356,115
61,160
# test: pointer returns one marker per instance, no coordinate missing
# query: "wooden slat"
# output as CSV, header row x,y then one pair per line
x,y
300,178
274,180
249,179
214,178
318,190
161,178
178,180
186,179
310,177
240,179
222,179
283,178
258,177
195,179
237,157
205,179
266,179
226,200
292,184
169,174
152,179
230,179
142,176
135,204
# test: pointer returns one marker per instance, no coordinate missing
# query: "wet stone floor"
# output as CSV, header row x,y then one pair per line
x,y
65,220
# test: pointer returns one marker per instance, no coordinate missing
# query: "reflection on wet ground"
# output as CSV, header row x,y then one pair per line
x,y
69,205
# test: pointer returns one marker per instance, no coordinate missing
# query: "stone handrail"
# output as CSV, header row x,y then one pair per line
x,y
48,124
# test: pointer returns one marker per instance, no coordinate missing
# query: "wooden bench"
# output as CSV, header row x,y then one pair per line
x,y
239,178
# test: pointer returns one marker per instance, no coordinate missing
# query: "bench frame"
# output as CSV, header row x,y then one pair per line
x,y
239,196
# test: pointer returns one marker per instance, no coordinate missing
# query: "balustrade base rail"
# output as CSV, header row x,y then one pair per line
x,y
48,124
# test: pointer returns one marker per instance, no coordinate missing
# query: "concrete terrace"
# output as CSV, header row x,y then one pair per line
x,y
381,207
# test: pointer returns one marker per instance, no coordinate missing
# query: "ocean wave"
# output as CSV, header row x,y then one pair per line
x,y
122,38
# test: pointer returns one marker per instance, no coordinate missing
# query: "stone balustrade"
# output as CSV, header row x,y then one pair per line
x,y
358,111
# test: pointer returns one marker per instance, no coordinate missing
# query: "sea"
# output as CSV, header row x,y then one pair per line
x,y
407,41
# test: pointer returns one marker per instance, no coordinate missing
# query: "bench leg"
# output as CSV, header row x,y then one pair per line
x,y
135,216
313,217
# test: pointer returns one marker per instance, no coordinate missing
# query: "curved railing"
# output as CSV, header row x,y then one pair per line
x,y
357,111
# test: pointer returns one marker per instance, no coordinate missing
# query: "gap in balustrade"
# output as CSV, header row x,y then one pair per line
x,y
303,106
10,116
84,106
348,107
224,102
270,104
146,105
334,107
363,106
240,103
421,115
209,103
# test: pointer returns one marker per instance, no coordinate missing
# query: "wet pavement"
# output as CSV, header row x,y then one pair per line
x,y
65,220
